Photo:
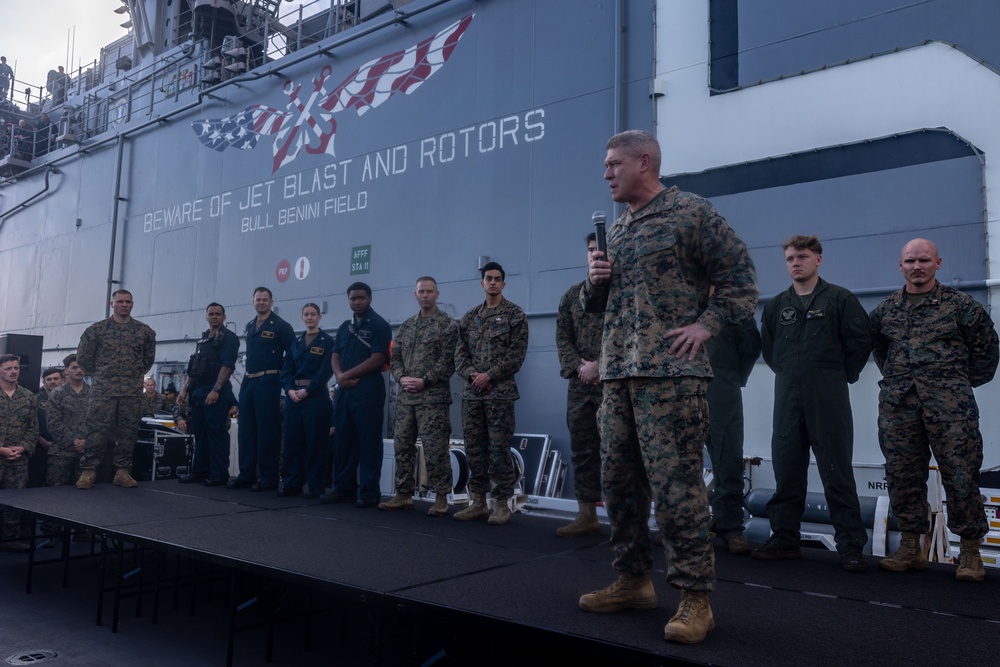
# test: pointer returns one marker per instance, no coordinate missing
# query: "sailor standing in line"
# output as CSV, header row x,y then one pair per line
x,y
423,361
116,353
933,344
307,408
361,350
52,379
211,394
732,353
815,338
492,344
18,436
578,340
268,340
66,414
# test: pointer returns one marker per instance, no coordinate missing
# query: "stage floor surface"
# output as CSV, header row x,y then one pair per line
x,y
441,578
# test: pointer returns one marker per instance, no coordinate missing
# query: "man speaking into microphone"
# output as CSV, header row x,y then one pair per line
x,y
663,254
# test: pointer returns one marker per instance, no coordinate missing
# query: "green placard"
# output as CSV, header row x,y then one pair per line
x,y
361,259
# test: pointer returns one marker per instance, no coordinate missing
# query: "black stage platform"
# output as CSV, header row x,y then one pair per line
x,y
436,591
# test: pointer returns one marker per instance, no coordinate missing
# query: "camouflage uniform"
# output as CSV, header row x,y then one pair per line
x,y
578,337
931,356
156,402
67,417
732,354
39,459
492,341
117,356
424,347
18,428
815,349
654,414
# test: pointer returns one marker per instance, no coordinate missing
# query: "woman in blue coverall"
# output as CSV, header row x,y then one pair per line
x,y
304,376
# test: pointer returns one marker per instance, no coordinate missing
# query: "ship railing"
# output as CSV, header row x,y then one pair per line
x,y
98,102
279,34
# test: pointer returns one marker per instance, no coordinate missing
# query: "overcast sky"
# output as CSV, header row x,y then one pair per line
x,y
38,36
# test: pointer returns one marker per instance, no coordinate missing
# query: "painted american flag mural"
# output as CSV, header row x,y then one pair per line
x,y
307,122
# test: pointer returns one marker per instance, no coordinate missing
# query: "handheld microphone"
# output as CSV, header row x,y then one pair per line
x,y
600,218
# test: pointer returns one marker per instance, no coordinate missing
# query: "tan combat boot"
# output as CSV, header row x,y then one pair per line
x,y
970,563
440,506
86,480
631,591
400,501
692,621
909,556
501,513
738,545
584,524
474,512
123,479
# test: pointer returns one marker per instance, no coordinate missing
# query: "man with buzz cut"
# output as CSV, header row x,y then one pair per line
x,y
360,351
933,344
116,353
210,395
18,437
423,361
815,338
492,344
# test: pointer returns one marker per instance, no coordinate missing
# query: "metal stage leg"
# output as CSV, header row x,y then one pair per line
x,y
118,586
141,571
67,534
100,580
272,607
157,583
177,588
309,620
233,610
31,555
194,587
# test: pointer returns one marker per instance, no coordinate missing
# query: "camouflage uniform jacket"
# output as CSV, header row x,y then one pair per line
x,y
578,337
663,259
67,417
19,423
156,402
942,348
117,355
424,347
43,399
492,341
